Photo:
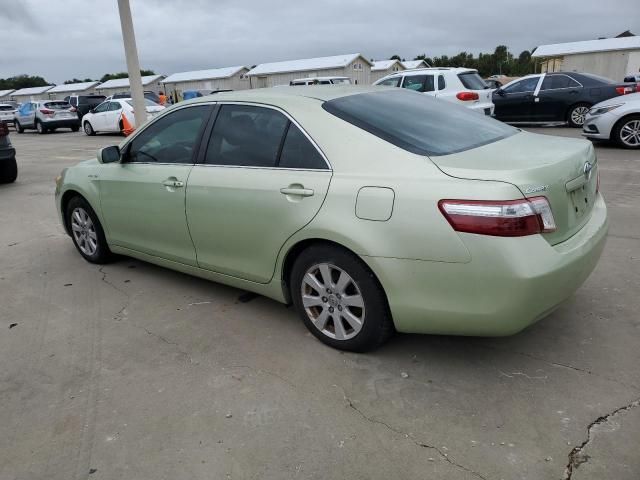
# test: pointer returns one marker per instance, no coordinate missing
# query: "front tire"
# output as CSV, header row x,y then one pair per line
x,y
88,129
86,231
41,128
626,132
8,171
19,127
577,114
339,299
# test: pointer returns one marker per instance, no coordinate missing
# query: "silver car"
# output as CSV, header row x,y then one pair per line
x,y
46,115
616,119
7,112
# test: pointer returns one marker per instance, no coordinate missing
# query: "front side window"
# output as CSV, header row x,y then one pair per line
x,y
114,106
418,123
248,136
103,107
419,83
171,139
522,86
391,82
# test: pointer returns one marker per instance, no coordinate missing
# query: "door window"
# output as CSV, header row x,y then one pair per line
x,y
172,139
419,83
553,82
298,152
525,85
246,136
441,83
103,107
114,106
391,82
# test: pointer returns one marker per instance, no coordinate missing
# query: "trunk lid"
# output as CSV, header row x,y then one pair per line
x,y
564,170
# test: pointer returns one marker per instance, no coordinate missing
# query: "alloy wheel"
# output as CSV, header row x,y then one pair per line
x,y
578,115
84,231
630,133
332,301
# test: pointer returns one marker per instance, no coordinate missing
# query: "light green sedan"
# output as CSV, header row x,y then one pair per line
x,y
372,210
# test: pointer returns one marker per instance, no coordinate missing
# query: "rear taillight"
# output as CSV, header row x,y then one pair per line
x,y
638,87
467,96
625,90
46,111
506,218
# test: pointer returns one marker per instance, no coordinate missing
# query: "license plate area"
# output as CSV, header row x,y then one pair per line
x,y
580,201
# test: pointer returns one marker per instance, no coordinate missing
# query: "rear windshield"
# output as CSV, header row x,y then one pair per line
x,y
57,105
92,99
472,81
418,123
6,108
345,81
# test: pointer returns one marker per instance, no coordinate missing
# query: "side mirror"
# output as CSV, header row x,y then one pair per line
x,y
499,91
92,110
109,154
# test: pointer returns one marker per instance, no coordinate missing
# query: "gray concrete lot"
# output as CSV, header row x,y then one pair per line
x,y
131,371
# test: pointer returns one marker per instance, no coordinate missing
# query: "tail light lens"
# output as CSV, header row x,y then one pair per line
x,y
46,111
506,218
625,90
467,96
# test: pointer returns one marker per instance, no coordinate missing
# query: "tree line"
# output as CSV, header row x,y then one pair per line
x,y
25,81
501,61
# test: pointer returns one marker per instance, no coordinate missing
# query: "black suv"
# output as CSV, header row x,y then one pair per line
x,y
84,103
8,165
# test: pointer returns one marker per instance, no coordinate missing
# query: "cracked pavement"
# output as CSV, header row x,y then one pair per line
x,y
132,371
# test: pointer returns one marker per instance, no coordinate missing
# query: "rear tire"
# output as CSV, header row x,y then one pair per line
x,y
348,310
86,231
88,129
41,128
577,114
8,171
626,132
19,127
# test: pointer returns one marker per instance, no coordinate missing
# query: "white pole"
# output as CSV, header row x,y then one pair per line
x,y
133,66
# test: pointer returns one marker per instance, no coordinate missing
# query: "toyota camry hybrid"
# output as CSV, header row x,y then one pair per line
x,y
371,209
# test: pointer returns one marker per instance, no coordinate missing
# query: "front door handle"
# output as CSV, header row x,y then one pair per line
x,y
172,182
300,192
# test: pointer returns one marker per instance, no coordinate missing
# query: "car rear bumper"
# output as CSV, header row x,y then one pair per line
x,y
509,283
66,123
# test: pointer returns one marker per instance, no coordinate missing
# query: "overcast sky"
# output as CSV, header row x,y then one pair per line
x,y
81,38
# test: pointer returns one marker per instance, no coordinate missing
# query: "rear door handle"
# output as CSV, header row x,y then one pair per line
x,y
173,183
300,192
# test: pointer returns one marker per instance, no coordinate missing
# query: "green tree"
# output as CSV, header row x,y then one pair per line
x,y
22,81
113,76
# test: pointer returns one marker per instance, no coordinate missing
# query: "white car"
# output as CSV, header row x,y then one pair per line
x,y
7,111
107,117
616,119
458,85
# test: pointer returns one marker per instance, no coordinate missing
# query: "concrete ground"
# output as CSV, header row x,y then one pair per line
x,y
131,371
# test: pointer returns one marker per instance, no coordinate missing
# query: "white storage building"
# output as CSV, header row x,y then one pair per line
x,y
151,83
61,91
31,93
228,78
382,68
5,95
352,65
409,64
610,57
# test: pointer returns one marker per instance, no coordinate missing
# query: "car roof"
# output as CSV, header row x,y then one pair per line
x,y
276,95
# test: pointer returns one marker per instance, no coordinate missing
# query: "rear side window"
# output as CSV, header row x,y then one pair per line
x,y
552,82
419,83
245,135
57,105
472,81
298,152
441,83
391,82
418,123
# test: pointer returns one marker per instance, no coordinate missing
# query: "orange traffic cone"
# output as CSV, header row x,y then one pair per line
x,y
127,128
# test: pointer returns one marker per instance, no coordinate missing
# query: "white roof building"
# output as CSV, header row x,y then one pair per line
x,y
149,82
5,93
382,68
609,57
227,78
32,93
415,64
64,90
352,65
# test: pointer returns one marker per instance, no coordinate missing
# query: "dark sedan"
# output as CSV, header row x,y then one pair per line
x,y
554,97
